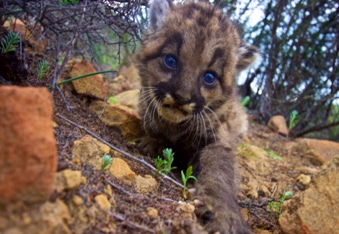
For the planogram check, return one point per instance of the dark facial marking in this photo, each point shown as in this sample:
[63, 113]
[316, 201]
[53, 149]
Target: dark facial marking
[218, 53]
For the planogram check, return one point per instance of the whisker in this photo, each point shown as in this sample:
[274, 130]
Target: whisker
[211, 125]
[204, 125]
[217, 119]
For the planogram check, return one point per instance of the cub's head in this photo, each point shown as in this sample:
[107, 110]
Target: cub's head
[189, 61]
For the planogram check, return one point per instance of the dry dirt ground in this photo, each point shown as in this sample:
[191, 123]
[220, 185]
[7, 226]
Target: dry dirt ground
[131, 215]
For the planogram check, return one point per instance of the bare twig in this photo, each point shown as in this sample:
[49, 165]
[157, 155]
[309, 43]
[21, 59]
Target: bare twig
[264, 220]
[119, 188]
[129, 223]
[119, 150]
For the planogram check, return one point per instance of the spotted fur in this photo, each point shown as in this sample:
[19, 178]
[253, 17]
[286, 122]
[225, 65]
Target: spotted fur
[188, 65]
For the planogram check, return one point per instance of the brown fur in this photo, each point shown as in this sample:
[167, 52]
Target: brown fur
[200, 122]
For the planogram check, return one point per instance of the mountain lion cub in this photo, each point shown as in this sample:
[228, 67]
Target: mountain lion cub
[188, 66]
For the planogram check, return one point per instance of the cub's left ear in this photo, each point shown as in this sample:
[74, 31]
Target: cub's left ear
[247, 55]
[158, 13]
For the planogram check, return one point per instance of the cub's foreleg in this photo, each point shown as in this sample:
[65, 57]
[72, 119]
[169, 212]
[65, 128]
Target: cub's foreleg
[216, 192]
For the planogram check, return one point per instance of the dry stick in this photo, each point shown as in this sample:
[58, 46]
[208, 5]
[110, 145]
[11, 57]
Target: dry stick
[119, 150]
[119, 188]
[121, 218]
[58, 72]
[264, 220]
[133, 194]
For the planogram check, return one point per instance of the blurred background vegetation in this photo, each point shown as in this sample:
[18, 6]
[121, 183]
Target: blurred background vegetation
[299, 41]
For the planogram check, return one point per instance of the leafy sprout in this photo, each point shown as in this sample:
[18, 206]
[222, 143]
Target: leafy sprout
[293, 119]
[112, 100]
[185, 177]
[9, 42]
[245, 101]
[276, 206]
[43, 68]
[106, 160]
[164, 165]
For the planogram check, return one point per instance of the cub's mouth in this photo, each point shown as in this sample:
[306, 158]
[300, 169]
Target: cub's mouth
[173, 113]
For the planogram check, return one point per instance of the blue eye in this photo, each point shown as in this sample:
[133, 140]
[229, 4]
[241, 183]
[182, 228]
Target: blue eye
[209, 78]
[170, 61]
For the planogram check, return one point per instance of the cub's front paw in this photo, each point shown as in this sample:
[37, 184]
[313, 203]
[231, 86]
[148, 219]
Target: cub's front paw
[148, 146]
[218, 216]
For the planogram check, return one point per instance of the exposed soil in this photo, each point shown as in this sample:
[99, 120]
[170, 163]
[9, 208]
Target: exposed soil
[130, 214]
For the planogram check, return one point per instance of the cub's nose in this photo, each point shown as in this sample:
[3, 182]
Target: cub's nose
[180, 100]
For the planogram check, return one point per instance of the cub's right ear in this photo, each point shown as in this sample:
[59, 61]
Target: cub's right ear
[247, 55]
[158, 13]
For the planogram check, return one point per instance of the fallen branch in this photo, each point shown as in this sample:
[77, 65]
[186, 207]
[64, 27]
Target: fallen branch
[134, 225]
[119, 188]
[119, 150]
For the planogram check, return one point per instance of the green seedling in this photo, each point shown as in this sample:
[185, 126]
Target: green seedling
[293, 119]
[276, 206]
[9, 43]
[245, 101]
[185, 178]
[106, 160]
[164, 165]
[82, 76]
[69, 2]
[42, 69]
[112, 100]
[273, 155]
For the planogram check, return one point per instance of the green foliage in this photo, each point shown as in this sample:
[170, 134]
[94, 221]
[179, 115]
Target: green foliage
[275, 206]
[293, 119]
[164, 165]
[273, 155]
[69, 2]
[245, 101]
[106, 160]
[82, 76]
[9, 42]
[43, 68]
[185, 177]
[112, 100]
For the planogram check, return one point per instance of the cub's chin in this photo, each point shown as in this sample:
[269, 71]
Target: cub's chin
[173, 115]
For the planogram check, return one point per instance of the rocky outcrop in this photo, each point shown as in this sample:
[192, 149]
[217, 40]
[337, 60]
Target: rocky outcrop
[316, 209]
[28, 154]
[90, 151]
[278, 124]
[129, 98]
[125, 119]
[318, 151]
[92, 85]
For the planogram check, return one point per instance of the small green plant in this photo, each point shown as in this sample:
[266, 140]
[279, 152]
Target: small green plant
[9, 43]
[273, 155]
[43, 67]
[275, 206]
[112, 100]
[82, 76]
[185, 177]
[245, 101]
[106, 160]
[69, 2]
[293, 119]
[164, 165]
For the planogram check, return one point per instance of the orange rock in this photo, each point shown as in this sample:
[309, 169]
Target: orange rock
[123, 118]
[91, 85]
[129, 98]
[121, 170]
[278, 124]
[30, 33]
[316, 209]
[28, 154]
[320, 151]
